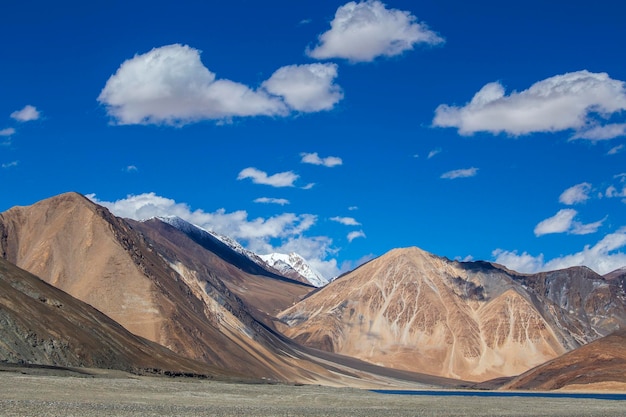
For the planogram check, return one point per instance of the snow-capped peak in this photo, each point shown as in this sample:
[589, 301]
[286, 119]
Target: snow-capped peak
[285, 263]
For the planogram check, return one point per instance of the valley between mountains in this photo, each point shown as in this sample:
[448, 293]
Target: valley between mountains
[81, 287]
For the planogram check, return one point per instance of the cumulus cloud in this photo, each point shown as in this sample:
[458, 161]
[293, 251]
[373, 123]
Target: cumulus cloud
[563, 222]
[131, 168]
[281, 179]
[361, 32]
[269, 200]
[578, 193]
[348, 221]
[355, 235]
[9, 131]
[605, 256]
[569, 101]
[170, 85]
[306, 88]
[314, 158]
[460, 173]
[27, 114]
[257, 234]
[10, 164]
[613, 192]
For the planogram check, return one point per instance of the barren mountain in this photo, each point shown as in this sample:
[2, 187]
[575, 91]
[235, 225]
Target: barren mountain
[412, 310]
[40, 324]
[98, 258]
[600, 365]
[199, 255]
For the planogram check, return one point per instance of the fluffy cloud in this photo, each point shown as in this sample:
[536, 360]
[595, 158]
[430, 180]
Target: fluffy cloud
[7, 132]
[281, 179]
[27, 114]
[603, 257]
[460, 173]
[269, 200]
[354, 235]
[348, 221]
[570, 101]
[170, 85]
[577, 194]
[306, 88]
[256, 234]
[361, 32]
[314, 158]
[563, 222]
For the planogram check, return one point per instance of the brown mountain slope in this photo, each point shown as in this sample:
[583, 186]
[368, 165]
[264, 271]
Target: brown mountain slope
[599, 365]
[412, 310]
[265, 293]
[84, 250]
[40, 324]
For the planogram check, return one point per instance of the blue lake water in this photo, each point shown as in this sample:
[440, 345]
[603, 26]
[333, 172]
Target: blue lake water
[594, 396]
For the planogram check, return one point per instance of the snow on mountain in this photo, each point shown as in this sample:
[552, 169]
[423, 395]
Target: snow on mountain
[293, 262]
[285, 264]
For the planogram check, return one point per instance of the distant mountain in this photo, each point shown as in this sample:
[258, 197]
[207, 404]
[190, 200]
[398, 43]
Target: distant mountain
[40, 324]
[599, 365]
[412, 310]
[294, 265]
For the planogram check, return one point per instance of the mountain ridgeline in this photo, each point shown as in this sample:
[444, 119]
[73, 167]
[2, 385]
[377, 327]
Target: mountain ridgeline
[197, 299]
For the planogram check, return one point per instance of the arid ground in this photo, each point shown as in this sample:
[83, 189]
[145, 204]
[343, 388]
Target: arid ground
[44, 393]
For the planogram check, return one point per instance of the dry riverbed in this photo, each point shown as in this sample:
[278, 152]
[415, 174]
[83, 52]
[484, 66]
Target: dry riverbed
[118, 394]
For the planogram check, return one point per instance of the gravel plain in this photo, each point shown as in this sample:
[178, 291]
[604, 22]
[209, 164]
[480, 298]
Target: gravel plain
[123, 395]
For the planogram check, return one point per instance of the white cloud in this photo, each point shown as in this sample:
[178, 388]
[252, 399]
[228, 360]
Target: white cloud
[361, 32]
[7, 132]
[170, 85]
[615, 150]
[352, 208]
[306, 88]
[563, 222]
[595, 133]
[10, 164]
[308, 186]
[603, 257]
[348, 221]
[281, 179]
[433, 153]
[256, 234]
[131, 168]
[562, 102]
[269, 200]
[460, 173]
[614, 192]
[579, 193]
[313, 158]
[355, 235]
[27, 114]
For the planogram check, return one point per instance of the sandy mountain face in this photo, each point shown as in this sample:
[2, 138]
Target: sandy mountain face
[40, 324]
[599, 365]
[412, 310]
[98, 258]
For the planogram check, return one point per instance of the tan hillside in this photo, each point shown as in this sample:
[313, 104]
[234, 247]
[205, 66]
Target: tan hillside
[599, 365]
[84, 250]
[412, 310]
[40, 324]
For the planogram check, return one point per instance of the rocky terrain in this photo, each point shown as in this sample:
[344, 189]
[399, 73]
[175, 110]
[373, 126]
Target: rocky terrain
[413, 310]
[41, 324]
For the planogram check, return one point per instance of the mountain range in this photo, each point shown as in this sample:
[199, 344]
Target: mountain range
[209, 306]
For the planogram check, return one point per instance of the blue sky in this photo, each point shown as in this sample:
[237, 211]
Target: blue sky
[492, 131]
